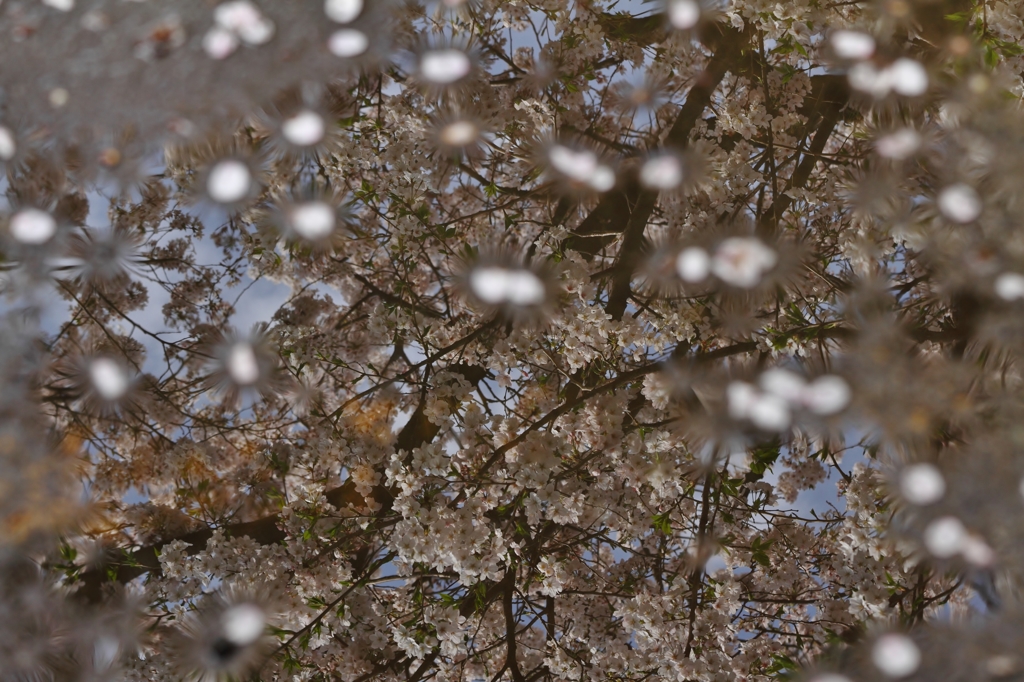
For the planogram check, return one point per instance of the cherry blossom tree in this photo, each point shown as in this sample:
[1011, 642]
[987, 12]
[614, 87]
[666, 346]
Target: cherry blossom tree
[511, 340]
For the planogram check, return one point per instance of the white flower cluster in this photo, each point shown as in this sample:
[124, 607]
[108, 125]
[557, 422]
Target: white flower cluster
[779, 392]
[487, 425]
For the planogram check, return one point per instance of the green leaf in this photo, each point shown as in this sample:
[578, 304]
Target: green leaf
[781, 664]
[1007, 48]
[479, 593]
[991, 57]
[762, 457]
[960, 18]
[662, 523]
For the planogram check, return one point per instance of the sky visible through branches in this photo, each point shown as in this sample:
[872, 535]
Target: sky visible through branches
[511, 340]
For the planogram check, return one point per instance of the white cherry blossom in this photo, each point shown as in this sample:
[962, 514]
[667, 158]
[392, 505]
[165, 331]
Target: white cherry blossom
[242, 365]
[445, 66]
[959, 203]
[1009, 286]
[32, 226]
[312, 220]
[899, 144]
[109, 379]
[348, 42]
[896, 655]
[683, 14]
[742, 261]
[693, 264]
[498, 285]
[8, 144]
[343, 11]
[945, 537]
[229, 181]
[304, 129]
[662, 172]
[922, 484]
[581, 166]
[853, 45]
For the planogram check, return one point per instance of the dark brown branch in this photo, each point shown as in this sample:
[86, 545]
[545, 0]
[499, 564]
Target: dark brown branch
[509, 587]
[826, 109]
[631, 206]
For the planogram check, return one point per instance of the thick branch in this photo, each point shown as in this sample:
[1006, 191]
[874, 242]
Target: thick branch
[615, 210]
[509, 588]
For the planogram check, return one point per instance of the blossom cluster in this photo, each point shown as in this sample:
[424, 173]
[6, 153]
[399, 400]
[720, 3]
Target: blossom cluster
[511, 340]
